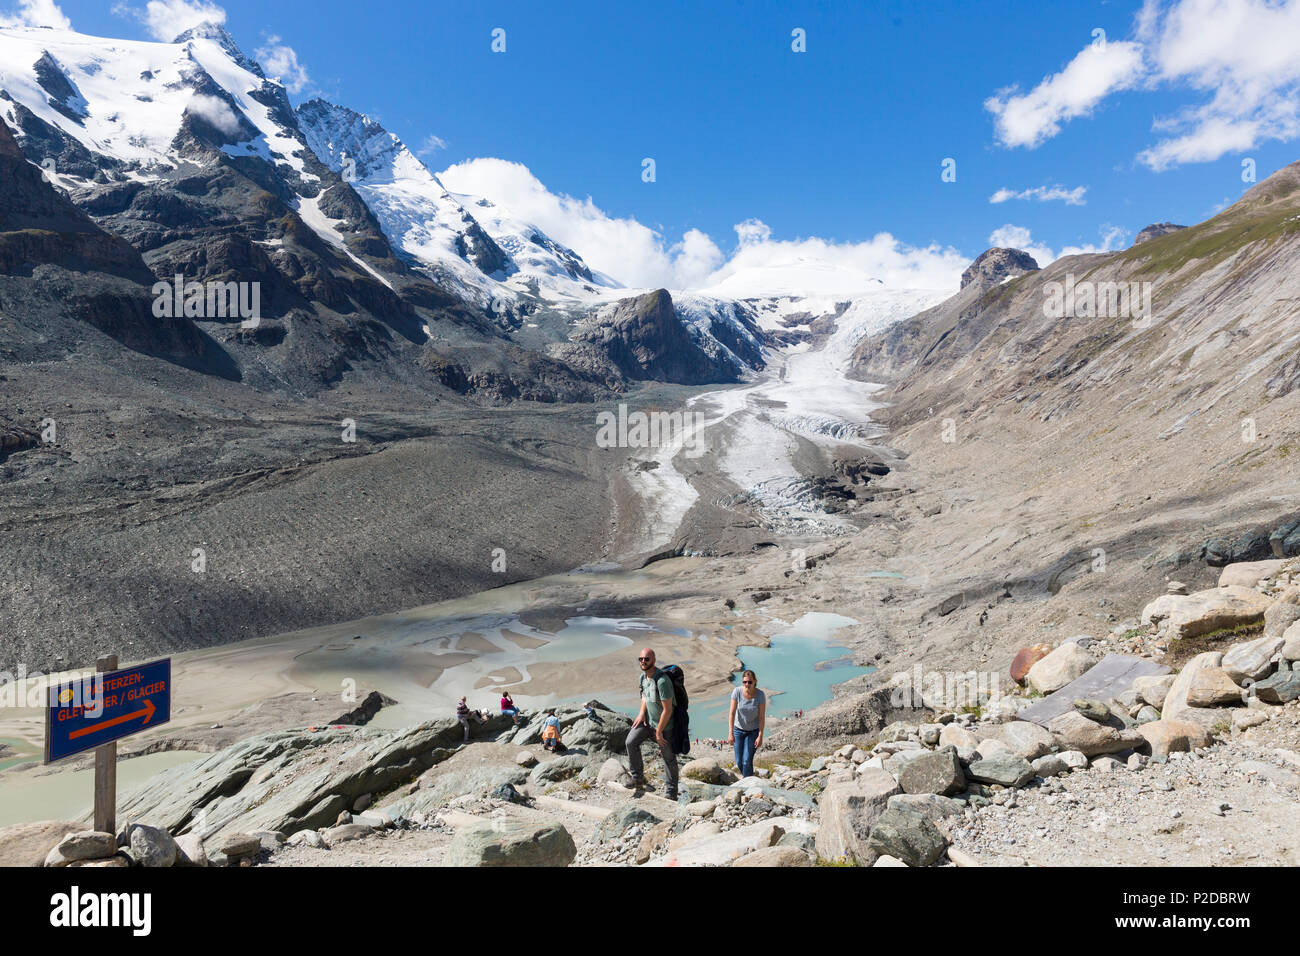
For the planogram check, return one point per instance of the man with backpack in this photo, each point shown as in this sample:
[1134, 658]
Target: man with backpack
[658, 703]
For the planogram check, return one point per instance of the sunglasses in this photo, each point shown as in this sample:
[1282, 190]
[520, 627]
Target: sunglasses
[747, 682]
[645, 658]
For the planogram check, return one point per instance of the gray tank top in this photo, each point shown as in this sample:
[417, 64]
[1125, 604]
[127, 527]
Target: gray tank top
[747, 710]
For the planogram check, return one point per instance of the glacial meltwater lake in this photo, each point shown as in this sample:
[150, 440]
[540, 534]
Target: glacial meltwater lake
[33, 795]
[425, 658]
[796, 672]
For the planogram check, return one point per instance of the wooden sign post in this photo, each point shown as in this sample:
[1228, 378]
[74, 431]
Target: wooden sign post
[93, 713]
[106, 769]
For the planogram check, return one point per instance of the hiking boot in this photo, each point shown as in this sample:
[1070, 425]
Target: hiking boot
[671, 795]
[638, 783]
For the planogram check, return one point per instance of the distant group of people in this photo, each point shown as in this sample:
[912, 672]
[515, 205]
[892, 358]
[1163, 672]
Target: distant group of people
[746, 720]
[550, 723]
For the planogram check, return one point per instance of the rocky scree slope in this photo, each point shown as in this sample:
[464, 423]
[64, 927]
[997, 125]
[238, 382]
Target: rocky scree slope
[1063, 466]
[1096, 740]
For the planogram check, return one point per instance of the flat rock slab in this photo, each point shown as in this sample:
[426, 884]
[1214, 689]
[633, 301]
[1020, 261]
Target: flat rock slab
[1110, 677]
[27, 844]
[722, 848]
[790, 798]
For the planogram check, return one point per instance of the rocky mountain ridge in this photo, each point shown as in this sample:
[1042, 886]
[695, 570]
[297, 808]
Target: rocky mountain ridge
[365, 263]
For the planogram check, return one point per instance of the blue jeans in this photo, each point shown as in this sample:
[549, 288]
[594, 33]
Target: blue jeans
[744, 744]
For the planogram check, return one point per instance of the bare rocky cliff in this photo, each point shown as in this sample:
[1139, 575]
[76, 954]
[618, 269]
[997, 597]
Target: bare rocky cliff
[1078, 435]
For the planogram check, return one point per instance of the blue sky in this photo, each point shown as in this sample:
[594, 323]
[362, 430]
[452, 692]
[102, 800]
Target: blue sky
[840, 142]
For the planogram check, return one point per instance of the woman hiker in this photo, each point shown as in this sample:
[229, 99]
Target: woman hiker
[551, 731]
[746, 721]
[508, 707]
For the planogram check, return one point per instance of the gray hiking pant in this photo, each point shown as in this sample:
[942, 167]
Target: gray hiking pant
[638, 735]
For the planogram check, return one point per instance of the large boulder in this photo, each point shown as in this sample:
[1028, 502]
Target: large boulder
[345, 832]
[1004, 768]
[1026, 739]
[150, 846]
[707, 769]
[933, 807]
[578, 731]
[1159, 609]
[1026, 658]
[234, 845]
[1211, 686]
[1154, 689]
[1073, 731]
[613, 771]
[1282, 688]
[1051, 765]
[1291, 643]
[1191, 615]
[560, 768]
[848, 811]
[954, 736]
[895, 763]
[608, 736]
[618, 822]
[1177, 705]
[1251, 660]
[292, 780]
[1172, 736]
[85, 845]
[544, 844]
[907, 835]
[705, 845]
[937, 771]
[1247, 574]
[190, 851]
[1059, 668]
[435, 793]
[776, 856]
[1280, 615]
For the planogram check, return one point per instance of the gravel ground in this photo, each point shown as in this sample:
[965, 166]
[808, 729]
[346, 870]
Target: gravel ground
[1236, 803]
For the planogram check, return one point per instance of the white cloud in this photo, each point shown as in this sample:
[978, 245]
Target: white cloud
[1071, 197]
[1240, 55]
[763, 265]
[37, 13]
[431, 145]
[216, 111]
[753, 230]
[280, 61]
[167, 19]
[1098, 70]
[639, 257]
[624, 249]
[1019, 237]
[695, 258]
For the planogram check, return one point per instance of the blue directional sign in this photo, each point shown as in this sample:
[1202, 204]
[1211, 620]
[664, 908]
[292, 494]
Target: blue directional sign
[100, 708]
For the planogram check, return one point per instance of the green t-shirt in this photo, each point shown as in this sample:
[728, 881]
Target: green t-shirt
[655, 691]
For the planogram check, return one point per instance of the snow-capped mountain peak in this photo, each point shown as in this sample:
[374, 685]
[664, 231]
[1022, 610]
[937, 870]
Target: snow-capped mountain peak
[219, 35]
[465, 242]
[127, 100]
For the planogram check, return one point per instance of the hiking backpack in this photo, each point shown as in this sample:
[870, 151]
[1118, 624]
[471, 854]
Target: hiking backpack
[681, 730]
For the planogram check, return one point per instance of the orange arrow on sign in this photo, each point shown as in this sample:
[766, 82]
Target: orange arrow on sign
[148, 713]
